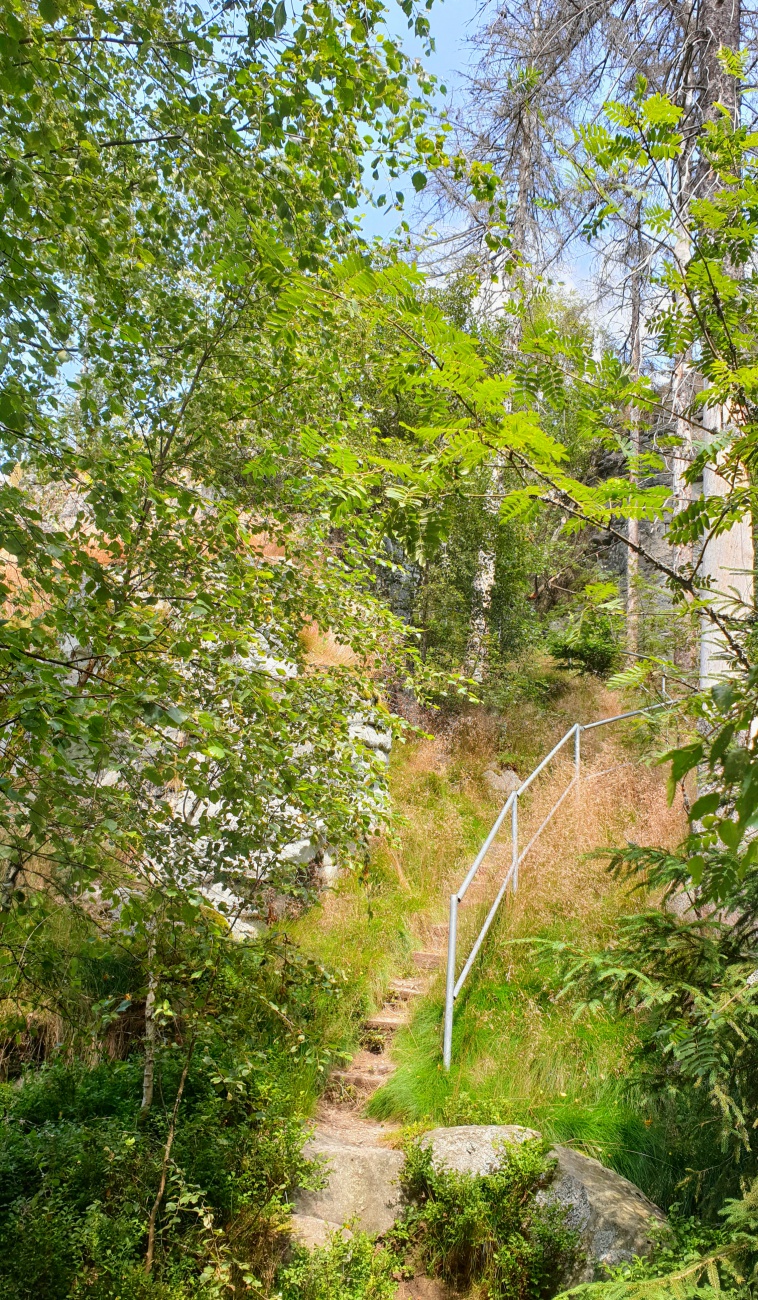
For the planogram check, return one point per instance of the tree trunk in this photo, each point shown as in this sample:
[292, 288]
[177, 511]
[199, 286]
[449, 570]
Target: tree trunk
[151, 1033]
[727, 564]
[476, 650]
[13, 868]
[719, 25]
[635, 447]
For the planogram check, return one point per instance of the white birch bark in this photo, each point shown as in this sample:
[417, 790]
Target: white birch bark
[635, 446]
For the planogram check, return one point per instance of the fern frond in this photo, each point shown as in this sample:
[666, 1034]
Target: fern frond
[684, 1283]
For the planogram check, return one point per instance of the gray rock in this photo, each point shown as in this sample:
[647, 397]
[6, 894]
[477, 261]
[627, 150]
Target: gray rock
[473, 1148]
[613, 1216]
[373, 738]
[615, 1219]
[328, 871]
[361, 1185]
[299, 852]
[313, 1233]
[504, 782]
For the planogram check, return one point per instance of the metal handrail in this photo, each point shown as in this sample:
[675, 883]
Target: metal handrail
[453, 986]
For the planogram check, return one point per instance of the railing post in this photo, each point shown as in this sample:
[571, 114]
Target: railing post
[511, 876]
[447, 1043]
[514, 842]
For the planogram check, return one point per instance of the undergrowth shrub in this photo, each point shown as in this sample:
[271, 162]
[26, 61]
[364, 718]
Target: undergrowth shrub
[489, 1230]
[692, 1260]
[689, 983]
[590, 640]
[255, 1026]
[345, 1269]
[78, 1177]
[80, 1164]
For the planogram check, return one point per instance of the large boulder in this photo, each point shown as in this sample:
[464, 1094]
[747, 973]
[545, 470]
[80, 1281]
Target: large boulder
[361, 1185]
[314, 1233]
[613, 1217]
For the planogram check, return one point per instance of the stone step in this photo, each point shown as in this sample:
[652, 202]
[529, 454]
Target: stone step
[407, 989]
[388, 1018]
[427, 960]
[439, 932]
[366, 1062]
[369, 1063]
[363, 1080]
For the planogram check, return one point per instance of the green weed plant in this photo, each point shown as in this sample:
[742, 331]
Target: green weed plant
[345, 1269]
[489, 1230]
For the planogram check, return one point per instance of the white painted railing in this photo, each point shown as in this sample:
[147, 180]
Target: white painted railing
[453, 985]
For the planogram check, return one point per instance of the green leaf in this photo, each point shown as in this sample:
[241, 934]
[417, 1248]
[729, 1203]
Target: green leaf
[721, 743]
[723, 695]
[130, 333]
[735, 765]
[730, 833]
[659, 110]
[696, 866]
[707, 803]
[684, 759]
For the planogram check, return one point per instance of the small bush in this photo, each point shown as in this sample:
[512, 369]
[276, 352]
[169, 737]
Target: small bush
[351, 1269]
[590, 641]
[78, 1176]
[489, 1230]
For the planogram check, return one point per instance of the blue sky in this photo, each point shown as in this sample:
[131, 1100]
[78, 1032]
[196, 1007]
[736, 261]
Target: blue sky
[452, 23]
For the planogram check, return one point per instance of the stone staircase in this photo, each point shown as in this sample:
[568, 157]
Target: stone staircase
[371, 1067]
[362, 1149]
[362, 1159]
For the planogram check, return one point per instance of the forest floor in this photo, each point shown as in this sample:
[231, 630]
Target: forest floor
[520, 1055]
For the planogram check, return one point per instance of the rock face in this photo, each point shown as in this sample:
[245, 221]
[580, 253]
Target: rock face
[361, 1185]
[306, 1230]
[378, 743]
[613, 1216]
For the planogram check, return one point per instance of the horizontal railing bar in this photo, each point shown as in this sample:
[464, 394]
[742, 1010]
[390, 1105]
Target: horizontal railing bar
[554, 809]
[547, 759]
[485, 847]
[480, 939]
[633, 713]
[454, 987]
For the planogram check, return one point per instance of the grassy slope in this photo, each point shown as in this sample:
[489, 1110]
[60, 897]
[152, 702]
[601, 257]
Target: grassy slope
[519, 1055]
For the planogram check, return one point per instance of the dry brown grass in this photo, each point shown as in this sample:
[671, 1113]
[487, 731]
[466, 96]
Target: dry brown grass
[444, 811]
[519, 1055]
[564, 876]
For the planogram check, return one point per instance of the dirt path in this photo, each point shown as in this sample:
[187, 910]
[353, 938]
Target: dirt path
[340, 1112]
[617, 799]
